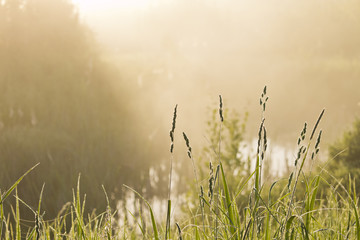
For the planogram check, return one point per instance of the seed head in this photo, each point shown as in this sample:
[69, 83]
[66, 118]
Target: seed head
[221, 109]
[173, 130]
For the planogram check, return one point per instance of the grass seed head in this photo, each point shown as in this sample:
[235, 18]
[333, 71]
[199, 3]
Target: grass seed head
[290, 180]
[211, 182]
[187, 141]
[171, 147]
[173, 129]
[265, 139]
[187, 144]
[260, 136]
[317, 123]
[263, 99]
[174, 118]
[318, 140]
[202, 196]
[221, 109]
[299, 154]
[211, 188]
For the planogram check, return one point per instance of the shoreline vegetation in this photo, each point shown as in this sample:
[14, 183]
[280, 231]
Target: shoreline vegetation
[307, 203]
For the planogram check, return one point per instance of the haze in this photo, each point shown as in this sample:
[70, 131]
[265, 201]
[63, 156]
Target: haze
[93, 89]
[188, 52]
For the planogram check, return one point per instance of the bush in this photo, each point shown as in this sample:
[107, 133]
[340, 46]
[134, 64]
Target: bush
[345, 154]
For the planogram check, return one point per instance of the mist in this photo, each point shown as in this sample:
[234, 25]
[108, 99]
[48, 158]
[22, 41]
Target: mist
[189, 52]
[91, 88]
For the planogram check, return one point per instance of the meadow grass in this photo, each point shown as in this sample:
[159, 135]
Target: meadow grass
[302, 205]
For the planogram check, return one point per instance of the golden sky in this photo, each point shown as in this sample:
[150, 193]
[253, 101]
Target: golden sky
[91, 6]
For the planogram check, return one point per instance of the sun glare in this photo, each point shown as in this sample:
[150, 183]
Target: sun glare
[103, 5]
[133, 4]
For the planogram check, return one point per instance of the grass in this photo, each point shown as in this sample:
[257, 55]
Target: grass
[303, 205]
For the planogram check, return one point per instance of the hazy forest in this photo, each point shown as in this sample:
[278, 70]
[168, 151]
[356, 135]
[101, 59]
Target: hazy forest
[90, 90]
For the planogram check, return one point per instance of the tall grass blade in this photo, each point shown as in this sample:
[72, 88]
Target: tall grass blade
[197, 235]
[8, 192]
[268, 219]
[168, 215]
[228, 203]
[172, 131]
[247, 229]
[108, 227]
[354, 205]
[79, 211]
[156, 234]
[179, 230]
[288, 226]
[17, 217]
[37, 214]
[1, 217]
[311, 201]
[139, 224]
[317, 123]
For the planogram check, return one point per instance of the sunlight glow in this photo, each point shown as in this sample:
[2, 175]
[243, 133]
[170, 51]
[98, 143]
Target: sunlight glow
[133, 4]
[103, 5]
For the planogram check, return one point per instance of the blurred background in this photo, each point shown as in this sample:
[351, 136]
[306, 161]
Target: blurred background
[90, 86]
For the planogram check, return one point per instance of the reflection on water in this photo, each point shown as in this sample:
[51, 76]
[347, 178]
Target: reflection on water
[281, 157]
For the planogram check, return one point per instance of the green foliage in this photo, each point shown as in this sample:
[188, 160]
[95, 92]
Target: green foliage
[232, 136]
[344, 156]
[207, 170]
[346, 151]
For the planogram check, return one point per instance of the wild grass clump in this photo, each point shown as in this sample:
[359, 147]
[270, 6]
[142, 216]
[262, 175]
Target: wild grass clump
[309, 203]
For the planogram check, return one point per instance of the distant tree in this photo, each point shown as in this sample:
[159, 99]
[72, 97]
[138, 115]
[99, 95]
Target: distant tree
[58, 107]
